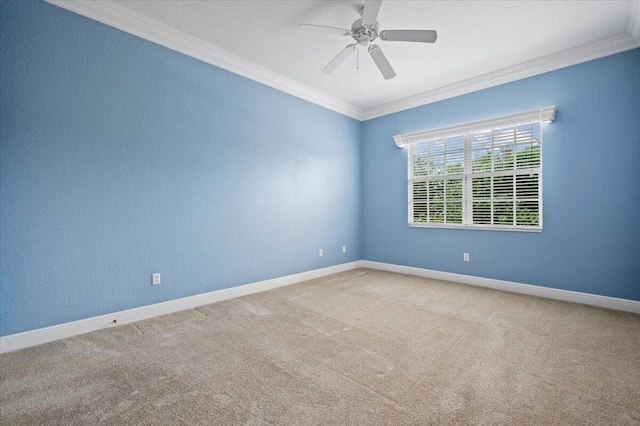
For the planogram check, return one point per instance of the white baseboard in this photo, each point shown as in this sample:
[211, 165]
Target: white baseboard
[532, 290]
[62, 331]
[56, 332]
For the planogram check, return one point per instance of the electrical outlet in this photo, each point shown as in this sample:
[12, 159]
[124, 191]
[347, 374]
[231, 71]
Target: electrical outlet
[465, 256]
[155, 279]
[344, 249]
[321, 253]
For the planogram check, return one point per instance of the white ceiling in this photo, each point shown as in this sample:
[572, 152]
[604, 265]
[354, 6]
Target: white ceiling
[475, 39]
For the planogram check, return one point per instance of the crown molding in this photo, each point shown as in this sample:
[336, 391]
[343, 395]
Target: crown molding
[566, 58]
[156, 32]
[633, 25]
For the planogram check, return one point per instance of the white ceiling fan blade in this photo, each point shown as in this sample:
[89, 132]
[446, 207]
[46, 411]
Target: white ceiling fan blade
[335, 62]
[324, 29]
[422, 36]
[370, 11]
[381, 61]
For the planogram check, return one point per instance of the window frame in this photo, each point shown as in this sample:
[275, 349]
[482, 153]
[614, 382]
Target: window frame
[467, 130]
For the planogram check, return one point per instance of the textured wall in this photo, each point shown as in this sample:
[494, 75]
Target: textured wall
[591, 156]
[120, 158]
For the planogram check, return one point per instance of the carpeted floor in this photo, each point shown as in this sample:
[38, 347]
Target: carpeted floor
[362, 347]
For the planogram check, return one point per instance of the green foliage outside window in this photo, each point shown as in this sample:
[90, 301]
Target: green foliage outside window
[440, 201]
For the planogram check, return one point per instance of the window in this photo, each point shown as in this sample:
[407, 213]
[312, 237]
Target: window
[482, 175]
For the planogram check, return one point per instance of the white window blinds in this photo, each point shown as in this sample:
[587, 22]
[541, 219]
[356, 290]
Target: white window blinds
[480, 177]
[436, 170]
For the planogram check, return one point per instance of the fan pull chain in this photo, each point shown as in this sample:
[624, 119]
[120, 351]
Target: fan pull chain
[357, 59]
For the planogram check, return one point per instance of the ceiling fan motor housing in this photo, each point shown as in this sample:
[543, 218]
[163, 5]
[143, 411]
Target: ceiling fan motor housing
[364, 34]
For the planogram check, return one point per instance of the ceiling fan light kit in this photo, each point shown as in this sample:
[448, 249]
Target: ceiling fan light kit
[364, 31]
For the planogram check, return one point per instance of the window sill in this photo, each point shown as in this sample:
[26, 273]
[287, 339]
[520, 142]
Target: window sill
[478, 227]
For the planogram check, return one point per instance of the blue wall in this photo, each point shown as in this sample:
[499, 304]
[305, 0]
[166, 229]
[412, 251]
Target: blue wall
[591, 177]
[120, 158]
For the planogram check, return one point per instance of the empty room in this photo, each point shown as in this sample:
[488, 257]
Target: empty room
[319, 212]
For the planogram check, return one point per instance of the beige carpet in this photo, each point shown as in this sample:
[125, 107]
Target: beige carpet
[362, 347]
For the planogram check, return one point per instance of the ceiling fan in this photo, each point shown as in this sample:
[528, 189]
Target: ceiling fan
[364, 31]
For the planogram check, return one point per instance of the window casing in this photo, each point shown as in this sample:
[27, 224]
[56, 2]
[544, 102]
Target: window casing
[479, 177]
